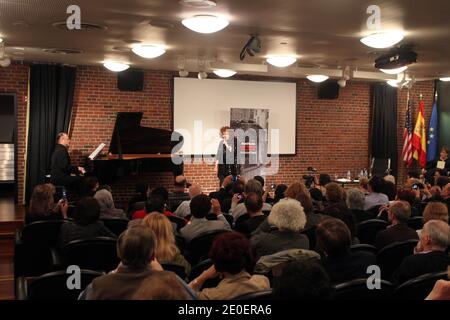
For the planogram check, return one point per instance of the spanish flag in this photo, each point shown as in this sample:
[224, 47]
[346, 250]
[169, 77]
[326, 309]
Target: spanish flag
[419, 139]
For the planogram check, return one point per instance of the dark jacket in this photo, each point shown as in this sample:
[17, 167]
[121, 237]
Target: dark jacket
[264, 244]
[60, 164]
[397, 233]
[246, 225]
[419, 264]
[73, 231]
[30, 217]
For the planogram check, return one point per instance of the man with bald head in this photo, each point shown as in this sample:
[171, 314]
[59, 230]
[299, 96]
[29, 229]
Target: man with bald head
[184, 209]
[179, 194]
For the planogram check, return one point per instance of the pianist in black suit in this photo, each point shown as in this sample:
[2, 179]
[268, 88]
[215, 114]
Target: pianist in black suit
[61, 169]
[226, 157]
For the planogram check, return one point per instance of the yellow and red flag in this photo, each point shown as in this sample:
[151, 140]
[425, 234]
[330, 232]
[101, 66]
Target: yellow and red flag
[419, 139]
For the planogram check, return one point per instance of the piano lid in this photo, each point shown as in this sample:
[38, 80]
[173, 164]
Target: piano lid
[129, 137]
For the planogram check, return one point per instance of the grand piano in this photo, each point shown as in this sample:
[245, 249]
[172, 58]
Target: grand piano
[135, 149]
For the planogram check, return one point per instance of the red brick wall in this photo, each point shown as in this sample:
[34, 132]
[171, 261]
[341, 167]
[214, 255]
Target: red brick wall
[14, 79]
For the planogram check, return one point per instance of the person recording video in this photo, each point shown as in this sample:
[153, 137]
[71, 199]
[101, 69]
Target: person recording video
[226, 156]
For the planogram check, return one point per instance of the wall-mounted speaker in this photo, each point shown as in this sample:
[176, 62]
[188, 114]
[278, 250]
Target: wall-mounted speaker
[328, 90]
[130, 80]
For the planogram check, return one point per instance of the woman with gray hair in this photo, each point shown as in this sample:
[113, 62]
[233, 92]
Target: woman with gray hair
[288, 218]
[107, 208]
[355, 202]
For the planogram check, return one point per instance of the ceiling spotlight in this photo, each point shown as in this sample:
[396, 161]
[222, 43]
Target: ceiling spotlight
[205, 23]
[224, 73]
[380, 40]
[5, 62]
[393, 83]
[183, 73]
[281, 61]
[202, 75]
[317, 78]
[394, 71]
[445, 79]
[148, 51]
[116, 66]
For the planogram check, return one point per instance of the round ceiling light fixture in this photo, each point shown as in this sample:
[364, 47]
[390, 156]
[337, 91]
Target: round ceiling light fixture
[224, 73]
[148, 51]
[199, 3]
[205, 23]
[281, 61]
[445, 79]
[381, 40]
[115, 66]
[317, 78]
[394, 71]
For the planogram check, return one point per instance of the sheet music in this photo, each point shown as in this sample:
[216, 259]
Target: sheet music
[97, 151]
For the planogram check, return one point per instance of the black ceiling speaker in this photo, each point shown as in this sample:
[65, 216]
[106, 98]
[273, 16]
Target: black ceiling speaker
[130, 80]
[396, 58]
[328, 90]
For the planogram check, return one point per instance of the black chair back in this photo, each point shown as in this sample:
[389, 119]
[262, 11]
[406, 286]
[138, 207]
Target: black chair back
[175, 268]
[358, 290]
[43, 233]
[53, 286]
[199, 268]
[94, 254]
[311, 234]
[367, 230]
[181, 243]
[363, 248]
[419, 288]
[116, 226]
[180, 222]
[256, 296]
[198, 248]
[135, 207]
[391, 256]
[415, 223]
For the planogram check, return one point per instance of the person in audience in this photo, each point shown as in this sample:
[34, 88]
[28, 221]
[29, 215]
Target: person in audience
[90, 186]
[248, 222]
[107, 207]
[266, 196]
[390, 178]
[289, 218]
[238, 209]
[86, 223]
[136, 250]
[225, 193]
[412, 175]
[435, 211]
[324, 179]
[183, 209]
[398, 214]
[179, 194]
[431, 167]
[333, 242]
[409, 196]
[430, 255]
[140, 194]
[303, 280]
[231, 256]
[390, 190]
[446, 195]
[355, 202]
[162, 286]
[166, 250]
[375, 197]
[154, 203]
[441, 291]
[364, 186]
[299, 192]
[200, 207]
[280, 189]
[43, 207]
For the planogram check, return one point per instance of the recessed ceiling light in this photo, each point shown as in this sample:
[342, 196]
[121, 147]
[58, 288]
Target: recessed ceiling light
[382, 40]
[394, 71]
[205, 23]
[281, 61]
[393, 83]
[445, 79]
[116, 66]
[148, 51]
[199, 3]
[224, 73]
[317, 78]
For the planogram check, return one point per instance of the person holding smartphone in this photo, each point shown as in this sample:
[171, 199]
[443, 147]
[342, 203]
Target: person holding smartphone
[226, 156]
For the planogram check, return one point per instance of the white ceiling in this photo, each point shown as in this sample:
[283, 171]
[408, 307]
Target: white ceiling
[322, 33]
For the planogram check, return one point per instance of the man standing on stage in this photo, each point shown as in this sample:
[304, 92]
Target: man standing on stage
[61, 169]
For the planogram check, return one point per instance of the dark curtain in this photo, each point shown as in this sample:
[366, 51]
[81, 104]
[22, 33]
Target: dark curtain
[384, 124]
[51, 99]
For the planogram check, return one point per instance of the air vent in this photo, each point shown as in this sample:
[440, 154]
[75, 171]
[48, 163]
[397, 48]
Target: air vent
[86, 26]
[62, 51]
[199, 3]
[163, 24]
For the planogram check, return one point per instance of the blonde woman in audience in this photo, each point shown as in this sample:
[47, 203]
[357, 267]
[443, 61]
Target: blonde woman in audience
[166, 250]
[43, 207]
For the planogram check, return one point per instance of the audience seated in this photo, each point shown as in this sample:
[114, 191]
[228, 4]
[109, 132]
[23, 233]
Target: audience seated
[200, 206]
[232, 258]
[178, 195]
[299, 192]
[364, 186]
[398, 214]
[303, 280]
[334, 241]
[154, 203]
[162, 286]
[355, 202]
[166, 250]
[225, 193]
[266, 196]
[430, 253]
[441, 291]
[248, 222]
[42, 206]
[140, 194]
[408, 195]
[375, 197]
[183, 209]
[107, 207]
[280, 189]
[238, 209]
[446, 195]
[390, 190]
[86, 223]
[289, 218]
[90, 186]
[135, 248]
[435, 211]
